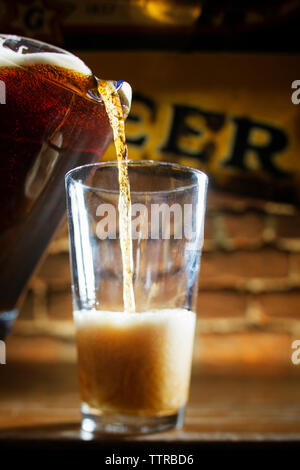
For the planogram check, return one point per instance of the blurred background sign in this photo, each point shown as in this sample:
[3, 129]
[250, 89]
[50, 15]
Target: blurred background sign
[230, 115]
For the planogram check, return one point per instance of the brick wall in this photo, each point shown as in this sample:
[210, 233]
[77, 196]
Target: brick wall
[249, 290]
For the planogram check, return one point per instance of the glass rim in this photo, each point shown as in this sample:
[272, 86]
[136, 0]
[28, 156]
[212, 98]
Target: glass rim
[113, 163]
[37, 41]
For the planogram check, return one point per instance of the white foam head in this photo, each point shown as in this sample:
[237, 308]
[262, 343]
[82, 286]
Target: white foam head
[20, 58]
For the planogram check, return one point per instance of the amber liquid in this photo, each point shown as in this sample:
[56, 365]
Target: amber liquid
[134, 363]
[49, 125]
[115, 114]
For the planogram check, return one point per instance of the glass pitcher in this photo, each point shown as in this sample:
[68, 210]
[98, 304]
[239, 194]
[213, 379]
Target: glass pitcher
[52, 119]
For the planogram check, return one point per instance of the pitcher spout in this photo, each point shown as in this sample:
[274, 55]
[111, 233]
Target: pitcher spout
[124, 91]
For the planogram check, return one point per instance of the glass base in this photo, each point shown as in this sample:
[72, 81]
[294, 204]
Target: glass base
[7, 320]
[115, 423]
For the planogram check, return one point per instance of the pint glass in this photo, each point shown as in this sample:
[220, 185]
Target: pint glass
[134, 368]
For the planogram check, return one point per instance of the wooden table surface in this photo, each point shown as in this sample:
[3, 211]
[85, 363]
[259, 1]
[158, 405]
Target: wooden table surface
[39, 405]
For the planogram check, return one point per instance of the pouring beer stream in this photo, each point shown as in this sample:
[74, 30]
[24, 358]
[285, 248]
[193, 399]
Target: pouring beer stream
[115, 113]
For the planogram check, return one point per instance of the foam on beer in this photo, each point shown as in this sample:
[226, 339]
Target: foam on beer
[135, 362]
[11, 58]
